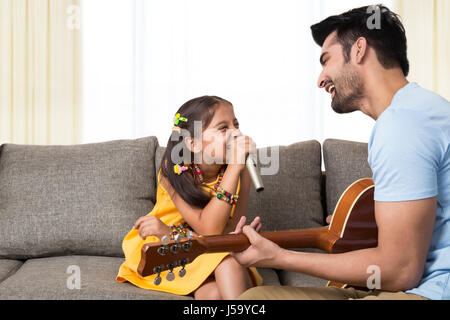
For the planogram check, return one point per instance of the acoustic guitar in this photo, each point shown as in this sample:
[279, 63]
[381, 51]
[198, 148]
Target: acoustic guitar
[353, 227]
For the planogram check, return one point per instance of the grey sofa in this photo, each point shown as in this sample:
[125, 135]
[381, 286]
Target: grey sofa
[66, 206]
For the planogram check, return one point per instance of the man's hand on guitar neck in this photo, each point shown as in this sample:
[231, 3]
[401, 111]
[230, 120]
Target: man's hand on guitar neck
[261, 251]
[256, 224]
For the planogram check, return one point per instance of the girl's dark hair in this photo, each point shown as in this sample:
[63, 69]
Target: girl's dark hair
[388, 39]
[198, 109]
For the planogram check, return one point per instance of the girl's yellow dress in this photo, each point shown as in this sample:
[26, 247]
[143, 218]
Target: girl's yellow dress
[196, 272]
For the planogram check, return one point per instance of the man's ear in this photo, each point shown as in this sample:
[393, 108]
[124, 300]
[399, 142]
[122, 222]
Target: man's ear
[360, 49]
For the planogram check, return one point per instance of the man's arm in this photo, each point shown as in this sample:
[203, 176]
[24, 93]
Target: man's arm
[404, 236]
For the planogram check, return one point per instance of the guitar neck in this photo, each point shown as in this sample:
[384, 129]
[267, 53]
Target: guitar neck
[303, 238]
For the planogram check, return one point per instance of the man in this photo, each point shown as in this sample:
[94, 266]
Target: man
[409, 153]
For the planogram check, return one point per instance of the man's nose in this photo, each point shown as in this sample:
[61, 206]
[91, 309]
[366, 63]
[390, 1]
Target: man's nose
[321, 81]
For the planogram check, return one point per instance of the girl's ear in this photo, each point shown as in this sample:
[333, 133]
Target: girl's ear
[192, 144]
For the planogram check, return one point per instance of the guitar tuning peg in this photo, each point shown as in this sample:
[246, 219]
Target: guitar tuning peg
[182, 272]
[174, 248]
[157, 280]
[170, 276]
[165, 240]
[187, 245]
[163, 250]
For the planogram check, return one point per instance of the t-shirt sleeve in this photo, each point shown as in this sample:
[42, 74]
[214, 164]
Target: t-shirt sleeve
[404, 156]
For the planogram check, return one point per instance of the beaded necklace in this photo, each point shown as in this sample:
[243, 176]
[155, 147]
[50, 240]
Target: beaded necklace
[198, 173]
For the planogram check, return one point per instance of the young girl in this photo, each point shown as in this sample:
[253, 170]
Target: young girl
[203, 184]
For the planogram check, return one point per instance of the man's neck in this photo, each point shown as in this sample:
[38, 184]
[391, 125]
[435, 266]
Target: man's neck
[380, 89]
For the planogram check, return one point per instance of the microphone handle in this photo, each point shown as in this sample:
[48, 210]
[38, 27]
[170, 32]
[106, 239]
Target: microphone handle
[254, 172]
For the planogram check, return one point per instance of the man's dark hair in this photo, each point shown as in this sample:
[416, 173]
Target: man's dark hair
[388, 41]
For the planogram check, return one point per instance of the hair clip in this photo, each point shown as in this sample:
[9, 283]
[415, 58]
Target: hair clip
[179, 118]
[179, 169]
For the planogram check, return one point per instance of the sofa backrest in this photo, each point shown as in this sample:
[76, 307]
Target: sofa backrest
[345, 162]
[83, 199]
[80, 199]
[292, 197]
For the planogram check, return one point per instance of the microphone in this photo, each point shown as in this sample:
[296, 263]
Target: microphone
[253, 169]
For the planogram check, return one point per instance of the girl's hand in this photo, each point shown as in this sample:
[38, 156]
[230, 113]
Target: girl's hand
[238, 148]
[151, 226]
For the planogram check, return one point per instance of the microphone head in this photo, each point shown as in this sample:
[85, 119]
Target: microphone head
[254, 172]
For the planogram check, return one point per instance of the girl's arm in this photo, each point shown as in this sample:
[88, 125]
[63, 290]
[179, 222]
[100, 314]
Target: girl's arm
[213, 218]
[242, 203]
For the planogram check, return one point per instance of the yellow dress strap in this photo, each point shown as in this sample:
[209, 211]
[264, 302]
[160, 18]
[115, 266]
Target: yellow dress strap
[159, 175]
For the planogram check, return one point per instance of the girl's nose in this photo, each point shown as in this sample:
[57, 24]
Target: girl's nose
[233, 134]
[236, 133]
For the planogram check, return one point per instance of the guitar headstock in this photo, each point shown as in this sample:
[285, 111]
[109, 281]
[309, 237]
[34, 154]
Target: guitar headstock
[157, 257]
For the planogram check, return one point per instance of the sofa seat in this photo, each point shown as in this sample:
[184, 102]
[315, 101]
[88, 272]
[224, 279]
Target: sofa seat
[47, 278]
[8, 267]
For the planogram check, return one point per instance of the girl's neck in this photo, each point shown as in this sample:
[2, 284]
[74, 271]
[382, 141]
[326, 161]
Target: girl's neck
[210, 171]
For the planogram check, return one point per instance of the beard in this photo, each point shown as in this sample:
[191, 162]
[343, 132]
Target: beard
[348, 92]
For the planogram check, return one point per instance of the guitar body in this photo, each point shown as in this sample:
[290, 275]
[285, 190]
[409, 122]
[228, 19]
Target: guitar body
[353, 221]
[353, 227]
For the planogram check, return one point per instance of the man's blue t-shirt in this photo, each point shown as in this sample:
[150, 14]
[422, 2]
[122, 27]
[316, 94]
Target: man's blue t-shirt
[409, 155]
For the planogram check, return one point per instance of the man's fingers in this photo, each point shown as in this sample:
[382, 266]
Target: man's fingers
[239, 226]
[241, 223]
[255, 222]
[251, 234]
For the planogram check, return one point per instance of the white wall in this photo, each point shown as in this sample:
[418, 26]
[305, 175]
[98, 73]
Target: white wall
[144, 58]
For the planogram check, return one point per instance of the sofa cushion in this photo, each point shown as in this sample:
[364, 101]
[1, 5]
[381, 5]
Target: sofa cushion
[8, 267]
[297, 279]
[53, 278]
[158, 157]
[292, 196]
[345, 162]
[80, 199]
